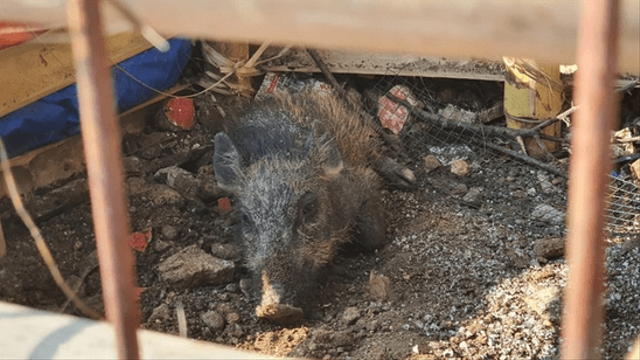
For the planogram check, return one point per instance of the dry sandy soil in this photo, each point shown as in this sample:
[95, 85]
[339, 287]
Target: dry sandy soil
[464, 278]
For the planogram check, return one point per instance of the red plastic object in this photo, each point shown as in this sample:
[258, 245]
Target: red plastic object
[224, 204]
[139, 240]
[180, 112]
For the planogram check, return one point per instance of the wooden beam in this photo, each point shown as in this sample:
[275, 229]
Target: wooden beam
[538, 29]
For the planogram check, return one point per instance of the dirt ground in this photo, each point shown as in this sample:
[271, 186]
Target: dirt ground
[464, 277]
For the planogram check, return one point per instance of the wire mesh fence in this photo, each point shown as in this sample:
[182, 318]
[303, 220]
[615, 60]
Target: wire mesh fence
[501, 160]
[623, 217]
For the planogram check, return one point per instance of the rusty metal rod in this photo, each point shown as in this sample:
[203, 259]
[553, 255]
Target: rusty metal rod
[327, 73]
[597, 59]
[101, 139]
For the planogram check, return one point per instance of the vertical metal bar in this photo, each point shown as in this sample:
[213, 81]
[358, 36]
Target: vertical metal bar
[597, 58]
[101, 139]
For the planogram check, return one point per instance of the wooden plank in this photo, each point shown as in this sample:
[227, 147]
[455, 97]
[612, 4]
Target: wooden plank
[42, 66]
[367, 63]
[34, 334]
[533, 91]
[537, 29]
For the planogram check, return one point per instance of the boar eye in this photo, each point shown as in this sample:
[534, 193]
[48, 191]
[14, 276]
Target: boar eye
[245, 219]
[309, 207]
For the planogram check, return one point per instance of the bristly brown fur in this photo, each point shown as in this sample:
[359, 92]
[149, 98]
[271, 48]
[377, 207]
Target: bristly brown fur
[358, 143]
[310, 144]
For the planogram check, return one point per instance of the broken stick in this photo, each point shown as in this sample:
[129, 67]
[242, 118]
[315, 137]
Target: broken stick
[43, 249]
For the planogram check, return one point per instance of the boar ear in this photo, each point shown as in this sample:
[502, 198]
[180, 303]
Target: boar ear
[226, 161]
[333, 164]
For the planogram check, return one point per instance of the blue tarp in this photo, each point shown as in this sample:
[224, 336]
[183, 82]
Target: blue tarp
[55, 116]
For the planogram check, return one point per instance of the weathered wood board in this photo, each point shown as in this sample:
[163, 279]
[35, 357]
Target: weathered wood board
[37, 68]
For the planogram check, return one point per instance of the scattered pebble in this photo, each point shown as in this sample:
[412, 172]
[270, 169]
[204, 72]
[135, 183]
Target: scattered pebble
[431, 163]
[541, 301]
[342, 338]
[379, 287]
[518, 259]
[351, 314]
[548, 213]
[136, 186]
[169, 232]
[151, 152]
[232, 318]
[160, 314]
[457, 189]
[225, 251]
[207, 189]
[161, 245]
[177, 178]
[549, 248]
[459, 167]
[213, 320]
[163, 195]
[474, 195]
[233, 287]
[134, 165]
[547, 187]
[57, 200]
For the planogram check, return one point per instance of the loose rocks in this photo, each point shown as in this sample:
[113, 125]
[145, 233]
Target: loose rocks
[193, 267]
[207, 190]
[176, 178]
[379, 287]
[431, 163]
[474, 195]
[457, 189]
[213, 320]
[164, 195]
[548, 213]
[169, 232]
[136, 186]
[225, 251]
[351, 314]
[160, 314]
[459, 167]
[549, 248]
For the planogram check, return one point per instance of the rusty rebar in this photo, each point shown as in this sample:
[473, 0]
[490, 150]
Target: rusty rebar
[327, 73]
[101, 139]
[597, 59]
